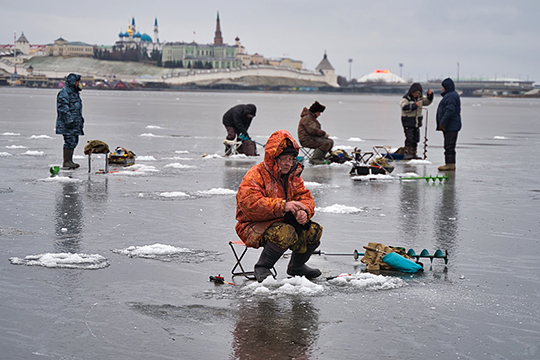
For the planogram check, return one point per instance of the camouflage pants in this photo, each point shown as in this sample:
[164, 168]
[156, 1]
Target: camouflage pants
[285, 236]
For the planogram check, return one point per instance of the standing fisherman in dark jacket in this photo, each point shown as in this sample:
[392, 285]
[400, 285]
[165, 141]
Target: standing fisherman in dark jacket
[237, 121]
[411, 117]
[449, 122]
[69, 120]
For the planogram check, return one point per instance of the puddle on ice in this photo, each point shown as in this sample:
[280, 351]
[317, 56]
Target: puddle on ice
[168, 253]
[63, 260]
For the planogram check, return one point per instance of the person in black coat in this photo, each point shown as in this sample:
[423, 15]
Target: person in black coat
[449, 122]
[69, 119]
[237, 121]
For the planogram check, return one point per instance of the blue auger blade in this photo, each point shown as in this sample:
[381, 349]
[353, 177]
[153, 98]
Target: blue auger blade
[411, 253]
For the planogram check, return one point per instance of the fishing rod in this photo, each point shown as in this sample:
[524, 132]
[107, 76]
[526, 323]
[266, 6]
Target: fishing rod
[425, 135]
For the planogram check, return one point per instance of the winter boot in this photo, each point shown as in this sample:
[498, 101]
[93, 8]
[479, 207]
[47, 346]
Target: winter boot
[414, 155]
[68, 160]
[447, 167]
[269, 256]
[297, 264]
[318, 157]
[407, 153]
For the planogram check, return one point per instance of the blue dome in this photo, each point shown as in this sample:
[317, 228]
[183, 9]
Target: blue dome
[146, 37]
[121, 34]
[137, 35]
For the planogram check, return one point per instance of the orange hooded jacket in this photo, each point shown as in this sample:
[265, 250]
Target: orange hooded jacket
[260, 200]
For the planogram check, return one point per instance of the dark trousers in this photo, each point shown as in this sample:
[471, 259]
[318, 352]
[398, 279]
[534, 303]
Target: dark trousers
[450, 140]
[248, 147]
[71, 141]
[412, 136]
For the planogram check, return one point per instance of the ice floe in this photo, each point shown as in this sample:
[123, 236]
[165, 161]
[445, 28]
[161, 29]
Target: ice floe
[63, 260]
[180, 166]
[167, 253]
[217, 191]
[61, 179]
[33, 153]
[339, 209]
[368, 281]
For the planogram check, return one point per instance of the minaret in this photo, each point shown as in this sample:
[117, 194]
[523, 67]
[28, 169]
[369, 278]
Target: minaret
[218, 40]
[156, 31]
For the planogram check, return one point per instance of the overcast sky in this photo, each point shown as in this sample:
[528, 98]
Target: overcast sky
[488, 38]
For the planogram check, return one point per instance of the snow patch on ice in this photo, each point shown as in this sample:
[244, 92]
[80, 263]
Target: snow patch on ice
[61, 179]
[4, 154]
[11, 134]
[146, 158]
[150, 135]
[15, 147]
[138, 169]
[368, 281]
[153, 127]
[500, 137]
[181, 152]
[167, 253]
[217, 191]
[173, 194]
[339, 209]
[297, 285]
[63, 260]
[356, 139]
[40, 137]
[180, 166]
[373, 177]
[33, 153]
[419, 162]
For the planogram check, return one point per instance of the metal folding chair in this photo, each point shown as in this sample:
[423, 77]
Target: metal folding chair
[238, 265]
[232, 146]
[305, 154]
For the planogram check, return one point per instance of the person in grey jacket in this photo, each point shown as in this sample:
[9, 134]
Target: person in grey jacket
[69, 119]
[411, 118]
[449, 122]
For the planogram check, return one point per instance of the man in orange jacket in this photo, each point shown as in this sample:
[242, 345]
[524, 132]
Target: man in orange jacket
[274, 210]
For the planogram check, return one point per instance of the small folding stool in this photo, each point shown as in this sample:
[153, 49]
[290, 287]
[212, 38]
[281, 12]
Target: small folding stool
[106, 162]
[238, 265]
[307, 153]
[233, 146]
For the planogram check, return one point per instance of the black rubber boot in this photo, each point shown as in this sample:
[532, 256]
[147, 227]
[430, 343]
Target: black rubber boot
[297, 264]
[68, 160]
[318, 157]
[269, 256]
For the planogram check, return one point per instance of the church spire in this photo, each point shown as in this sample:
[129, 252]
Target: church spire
[218, 40]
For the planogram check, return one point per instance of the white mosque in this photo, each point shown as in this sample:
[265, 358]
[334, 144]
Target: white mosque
[133, 39]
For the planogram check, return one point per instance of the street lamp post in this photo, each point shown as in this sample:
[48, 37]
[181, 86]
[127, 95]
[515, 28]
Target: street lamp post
[400, 68]
[350, 66]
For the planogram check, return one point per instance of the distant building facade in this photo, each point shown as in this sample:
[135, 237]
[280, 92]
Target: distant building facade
[286, 62]
[22, 49]
[62, 47]
[190, 55]
[326, 69]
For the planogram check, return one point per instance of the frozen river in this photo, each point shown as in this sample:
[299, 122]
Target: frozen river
[145, 239]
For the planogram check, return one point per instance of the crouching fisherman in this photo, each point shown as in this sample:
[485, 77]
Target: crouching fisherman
[274, 210]
[69, 119]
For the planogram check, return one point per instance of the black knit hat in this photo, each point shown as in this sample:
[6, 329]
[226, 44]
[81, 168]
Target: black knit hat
[289, 150]
[316, 107]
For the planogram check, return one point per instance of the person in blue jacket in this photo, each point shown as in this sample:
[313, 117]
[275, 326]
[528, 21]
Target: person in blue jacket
[69, 119]
[449, 122]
